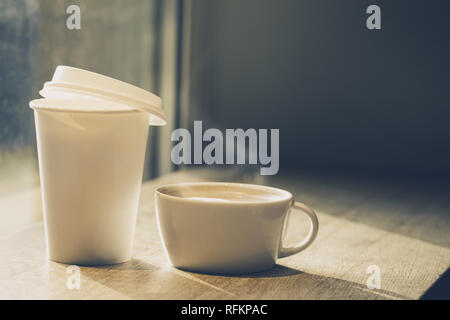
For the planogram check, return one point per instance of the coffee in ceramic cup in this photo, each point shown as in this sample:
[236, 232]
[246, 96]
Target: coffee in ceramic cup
[226, 228]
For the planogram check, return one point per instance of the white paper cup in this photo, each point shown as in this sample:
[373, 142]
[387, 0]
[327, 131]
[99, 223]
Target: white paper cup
[91, 166]
[91, 135]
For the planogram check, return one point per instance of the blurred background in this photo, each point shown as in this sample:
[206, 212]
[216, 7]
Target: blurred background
[346, 99]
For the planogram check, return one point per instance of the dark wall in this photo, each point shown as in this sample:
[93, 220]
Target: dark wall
[344, 97]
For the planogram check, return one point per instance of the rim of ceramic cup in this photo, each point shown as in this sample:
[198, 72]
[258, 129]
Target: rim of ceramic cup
[283, 195]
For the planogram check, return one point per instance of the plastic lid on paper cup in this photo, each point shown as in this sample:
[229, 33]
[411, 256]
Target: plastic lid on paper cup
[74, 89]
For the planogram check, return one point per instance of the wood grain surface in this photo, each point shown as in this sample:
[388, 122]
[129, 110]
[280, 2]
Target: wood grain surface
[402, 228]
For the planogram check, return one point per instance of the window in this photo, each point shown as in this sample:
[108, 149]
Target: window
[116, 39]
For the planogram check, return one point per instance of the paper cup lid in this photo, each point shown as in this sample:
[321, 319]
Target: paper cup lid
[69, 82]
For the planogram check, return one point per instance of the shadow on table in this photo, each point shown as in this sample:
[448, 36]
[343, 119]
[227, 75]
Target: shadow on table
[275, 272]
[440, 290]
[132, 264]
[385, 203]
[298, 284]
[140, 280]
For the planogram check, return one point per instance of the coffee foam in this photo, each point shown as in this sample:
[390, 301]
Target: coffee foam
[218, 192]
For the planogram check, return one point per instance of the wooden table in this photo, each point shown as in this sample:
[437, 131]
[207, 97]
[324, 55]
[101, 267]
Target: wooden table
[401, 228]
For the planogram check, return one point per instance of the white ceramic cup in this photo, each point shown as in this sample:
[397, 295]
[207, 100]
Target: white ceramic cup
[91, 166]
[226, 228]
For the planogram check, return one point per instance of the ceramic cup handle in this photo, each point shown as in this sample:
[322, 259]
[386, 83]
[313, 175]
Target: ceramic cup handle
[314, 228]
